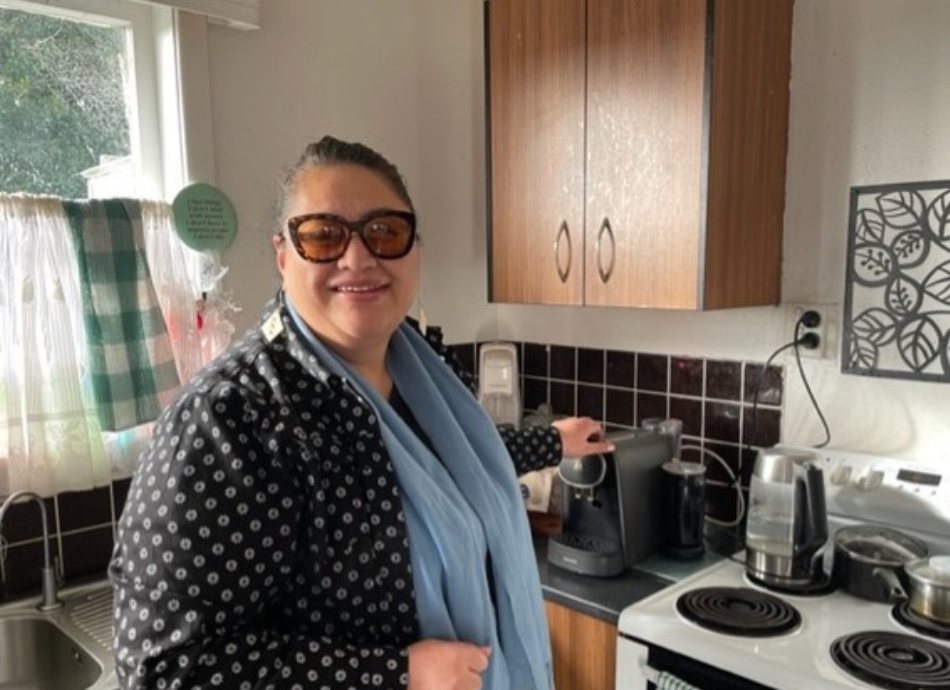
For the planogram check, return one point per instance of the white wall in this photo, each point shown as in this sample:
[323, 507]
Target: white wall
[404, 76]
[870, 104]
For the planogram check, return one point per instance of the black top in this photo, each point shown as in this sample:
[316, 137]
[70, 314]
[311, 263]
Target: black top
[263, 542]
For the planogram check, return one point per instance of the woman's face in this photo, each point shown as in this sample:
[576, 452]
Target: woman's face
[355, 302]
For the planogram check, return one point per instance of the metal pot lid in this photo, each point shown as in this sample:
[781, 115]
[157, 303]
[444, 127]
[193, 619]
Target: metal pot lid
[934, 570]
[880, 545]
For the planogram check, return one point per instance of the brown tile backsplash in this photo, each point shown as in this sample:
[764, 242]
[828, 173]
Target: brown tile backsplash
[621, 368]
[619, 407]
[23, 521]
[590, 365]
[534, 393]
[686, 376]
[79, 509]
[590, 401]
[650, 405]
[768, 388]
[562, 363]
[21, 567]
[724, 380]
[690, 412]
[87, 553]
[466, 355]
[761, 427]
[562, 397]
[120, 491]
[721, 421]
[727, 407]
[82, 529]
[714, 399]
[535, 360]
[652, 373]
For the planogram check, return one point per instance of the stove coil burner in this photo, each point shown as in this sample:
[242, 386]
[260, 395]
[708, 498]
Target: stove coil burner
[893, 661]
[909, 618]
[739, 611]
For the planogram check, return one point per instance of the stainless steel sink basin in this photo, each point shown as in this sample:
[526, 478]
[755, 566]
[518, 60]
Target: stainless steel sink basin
[65, 649]
[35, 654]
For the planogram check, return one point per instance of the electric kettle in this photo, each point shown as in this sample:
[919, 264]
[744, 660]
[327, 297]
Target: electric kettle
[787, 522]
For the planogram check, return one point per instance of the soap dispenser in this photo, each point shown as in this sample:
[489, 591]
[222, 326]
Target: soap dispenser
[498, 383]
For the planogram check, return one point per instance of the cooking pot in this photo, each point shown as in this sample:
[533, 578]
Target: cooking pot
[869, 561]
[929, 587]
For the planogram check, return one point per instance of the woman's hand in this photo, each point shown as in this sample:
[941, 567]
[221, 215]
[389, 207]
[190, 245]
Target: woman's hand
[446, 665]
[581, 436]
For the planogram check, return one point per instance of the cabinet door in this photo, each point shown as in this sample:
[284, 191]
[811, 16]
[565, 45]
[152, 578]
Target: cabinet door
[645, 152]
[584, 649]
[536, 167]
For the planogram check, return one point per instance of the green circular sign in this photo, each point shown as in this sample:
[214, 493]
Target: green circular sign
[204, 218]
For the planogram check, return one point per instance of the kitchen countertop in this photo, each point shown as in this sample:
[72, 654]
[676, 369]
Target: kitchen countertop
[606, 597]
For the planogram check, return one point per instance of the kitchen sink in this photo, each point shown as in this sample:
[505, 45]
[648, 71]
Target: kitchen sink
[34, 653]
[69, 648]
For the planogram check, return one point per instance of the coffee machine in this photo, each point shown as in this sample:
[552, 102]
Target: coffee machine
[611, 505]
[787, 520]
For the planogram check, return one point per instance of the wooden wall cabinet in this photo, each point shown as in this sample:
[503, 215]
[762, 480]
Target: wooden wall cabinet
[637, 151]
[584, 649]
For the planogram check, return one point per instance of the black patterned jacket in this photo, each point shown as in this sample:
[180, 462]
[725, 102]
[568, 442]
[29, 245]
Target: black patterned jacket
[263, 542]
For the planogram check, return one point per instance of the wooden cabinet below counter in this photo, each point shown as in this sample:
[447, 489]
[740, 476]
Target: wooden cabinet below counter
[584, 649]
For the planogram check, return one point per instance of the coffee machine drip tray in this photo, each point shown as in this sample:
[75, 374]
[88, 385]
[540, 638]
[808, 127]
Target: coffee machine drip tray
[586, 554]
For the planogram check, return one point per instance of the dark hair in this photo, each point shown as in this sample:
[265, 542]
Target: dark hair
[331, 151]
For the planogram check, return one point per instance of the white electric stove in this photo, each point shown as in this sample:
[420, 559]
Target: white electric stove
[659, 646]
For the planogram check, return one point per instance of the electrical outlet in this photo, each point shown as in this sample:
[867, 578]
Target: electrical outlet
[825, 330]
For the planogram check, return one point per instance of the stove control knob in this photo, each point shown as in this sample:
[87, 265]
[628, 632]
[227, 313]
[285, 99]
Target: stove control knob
[874, 480]
[840, 475]
[870, 481]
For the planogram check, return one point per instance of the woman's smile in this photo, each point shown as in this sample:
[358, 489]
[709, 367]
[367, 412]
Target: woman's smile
[361, 291]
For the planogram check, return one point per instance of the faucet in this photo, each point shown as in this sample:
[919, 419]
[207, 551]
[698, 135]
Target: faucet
[49, 598]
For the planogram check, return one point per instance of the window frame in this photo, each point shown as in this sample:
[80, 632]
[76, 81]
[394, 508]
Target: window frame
[170, 81]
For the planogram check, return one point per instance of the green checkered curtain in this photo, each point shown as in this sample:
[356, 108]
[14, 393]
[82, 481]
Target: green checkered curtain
[132, 365]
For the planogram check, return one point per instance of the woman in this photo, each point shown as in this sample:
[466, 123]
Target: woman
[326, 505]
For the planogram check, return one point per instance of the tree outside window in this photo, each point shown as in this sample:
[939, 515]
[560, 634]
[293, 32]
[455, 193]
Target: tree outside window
[64, 106]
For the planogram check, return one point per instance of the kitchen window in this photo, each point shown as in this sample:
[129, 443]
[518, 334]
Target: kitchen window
[79, 105]
[125, 80]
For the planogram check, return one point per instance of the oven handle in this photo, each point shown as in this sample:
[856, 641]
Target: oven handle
[664, 680]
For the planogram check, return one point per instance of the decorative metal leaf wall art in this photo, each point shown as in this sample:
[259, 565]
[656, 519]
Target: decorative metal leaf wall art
[897, 294]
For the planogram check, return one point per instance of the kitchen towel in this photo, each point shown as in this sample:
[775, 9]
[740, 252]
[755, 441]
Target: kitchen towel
[132, 364]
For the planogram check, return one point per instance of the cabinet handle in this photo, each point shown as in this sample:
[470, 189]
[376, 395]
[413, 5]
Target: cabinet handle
[564, 232]
[605, 275]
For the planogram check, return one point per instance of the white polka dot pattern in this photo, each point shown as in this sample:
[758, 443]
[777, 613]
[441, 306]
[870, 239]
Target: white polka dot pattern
[263, 543]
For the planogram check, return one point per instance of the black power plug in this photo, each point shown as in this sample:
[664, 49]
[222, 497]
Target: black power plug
[810, 319]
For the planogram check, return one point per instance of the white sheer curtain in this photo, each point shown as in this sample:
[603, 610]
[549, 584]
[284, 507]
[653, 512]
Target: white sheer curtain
[50, 437]
[187, 285]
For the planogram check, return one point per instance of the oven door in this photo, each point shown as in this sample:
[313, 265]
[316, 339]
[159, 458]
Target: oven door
[641, 667]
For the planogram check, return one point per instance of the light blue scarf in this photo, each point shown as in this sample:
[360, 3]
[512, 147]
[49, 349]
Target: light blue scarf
[459, 511]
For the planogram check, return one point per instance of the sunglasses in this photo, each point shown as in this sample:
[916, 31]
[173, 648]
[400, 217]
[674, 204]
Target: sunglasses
[324, 237]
